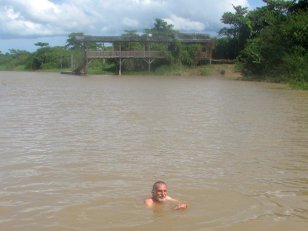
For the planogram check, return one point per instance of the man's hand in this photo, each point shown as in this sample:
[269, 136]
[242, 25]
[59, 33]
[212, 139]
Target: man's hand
[180, 206]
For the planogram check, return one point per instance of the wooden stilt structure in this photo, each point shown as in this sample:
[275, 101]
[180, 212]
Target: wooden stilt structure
[148, 55]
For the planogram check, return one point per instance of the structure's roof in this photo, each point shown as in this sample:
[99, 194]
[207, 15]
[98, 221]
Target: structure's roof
[185, 38]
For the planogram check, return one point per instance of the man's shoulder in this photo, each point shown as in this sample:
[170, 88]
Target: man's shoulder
[149, 201]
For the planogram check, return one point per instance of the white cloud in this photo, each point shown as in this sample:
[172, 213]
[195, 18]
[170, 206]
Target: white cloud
[33, 18]
[185, 24]
[131, 23]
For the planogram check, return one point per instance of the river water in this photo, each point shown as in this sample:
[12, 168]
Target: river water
[82, 153]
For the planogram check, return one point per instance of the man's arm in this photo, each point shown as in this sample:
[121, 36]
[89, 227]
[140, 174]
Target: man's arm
[180, 205]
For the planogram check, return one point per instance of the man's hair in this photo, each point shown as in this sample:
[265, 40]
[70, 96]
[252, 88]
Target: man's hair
[156, 183]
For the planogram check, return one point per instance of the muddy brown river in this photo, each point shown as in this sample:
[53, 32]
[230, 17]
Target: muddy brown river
[81, 153]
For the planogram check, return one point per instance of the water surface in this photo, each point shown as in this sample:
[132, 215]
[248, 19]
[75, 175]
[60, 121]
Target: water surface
[81, 153]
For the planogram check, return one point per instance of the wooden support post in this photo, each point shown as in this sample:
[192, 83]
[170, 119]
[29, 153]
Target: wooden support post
[72, 62]
[86, 67]
[120, 67]
[210, 51]
[149, 61]
[86, 63]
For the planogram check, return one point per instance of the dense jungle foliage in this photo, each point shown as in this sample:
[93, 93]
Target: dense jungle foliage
[270, 42]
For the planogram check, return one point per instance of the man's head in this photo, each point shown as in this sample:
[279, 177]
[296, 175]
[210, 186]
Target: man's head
[159, 191]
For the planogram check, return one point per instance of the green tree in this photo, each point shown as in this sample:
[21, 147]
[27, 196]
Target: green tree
[160, 30]
[239, 29]
[73, 43]
[14, 59]
[301, 5]
[49, 58]
[278, 50]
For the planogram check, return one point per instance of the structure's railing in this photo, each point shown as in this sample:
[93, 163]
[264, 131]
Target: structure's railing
[92, 54]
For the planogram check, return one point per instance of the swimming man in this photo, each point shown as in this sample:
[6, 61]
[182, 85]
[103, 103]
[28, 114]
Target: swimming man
[160, 196]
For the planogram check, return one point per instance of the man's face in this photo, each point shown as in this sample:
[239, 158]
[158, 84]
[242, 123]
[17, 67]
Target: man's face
[160, 192]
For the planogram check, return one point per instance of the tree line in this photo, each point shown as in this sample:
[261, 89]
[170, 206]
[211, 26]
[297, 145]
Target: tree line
[267, 43]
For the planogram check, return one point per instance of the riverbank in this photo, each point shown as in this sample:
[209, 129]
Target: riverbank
[227, 70]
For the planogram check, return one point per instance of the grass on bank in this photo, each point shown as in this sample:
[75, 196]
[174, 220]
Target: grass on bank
[12, 68]
[299, 85]
[181, 70]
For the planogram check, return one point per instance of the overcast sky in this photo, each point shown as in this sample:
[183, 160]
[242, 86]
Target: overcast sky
[25, 22]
